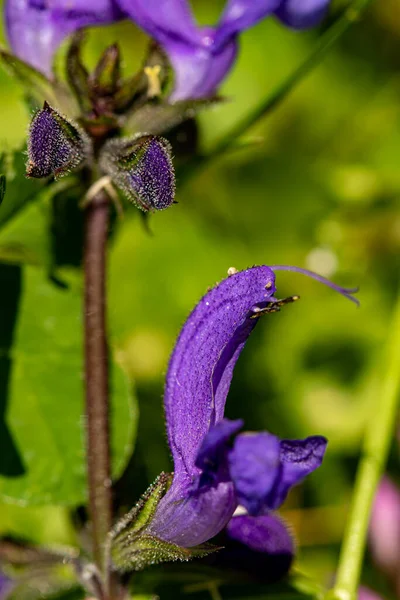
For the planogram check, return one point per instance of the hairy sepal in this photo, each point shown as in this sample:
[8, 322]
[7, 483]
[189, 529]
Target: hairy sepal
[142, 168]
[130, 548]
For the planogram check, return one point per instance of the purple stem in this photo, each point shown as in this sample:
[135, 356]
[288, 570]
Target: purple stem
[96, 373]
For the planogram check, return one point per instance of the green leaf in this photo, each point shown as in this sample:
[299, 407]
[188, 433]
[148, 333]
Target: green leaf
[45, 409]
[46, 231]
[25, 237]
[20, 190]
[37, 87]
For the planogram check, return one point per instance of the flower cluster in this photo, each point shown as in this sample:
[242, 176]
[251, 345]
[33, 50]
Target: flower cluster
[102, 106]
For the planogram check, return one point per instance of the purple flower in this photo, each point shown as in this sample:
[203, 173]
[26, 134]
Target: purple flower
[201, 56]
[36, 28]
[216, 468]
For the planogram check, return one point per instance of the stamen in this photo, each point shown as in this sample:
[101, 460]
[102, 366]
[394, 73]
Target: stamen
[153, 77]
[272, 307]
[346, 292]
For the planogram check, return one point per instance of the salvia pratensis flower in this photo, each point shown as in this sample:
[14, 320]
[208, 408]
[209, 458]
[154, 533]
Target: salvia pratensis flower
[55, 145]
[201, 56]
[216, 466]
[142, 168]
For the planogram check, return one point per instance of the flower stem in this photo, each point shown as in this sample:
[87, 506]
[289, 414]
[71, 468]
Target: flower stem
[96, 373]
[377, 442]
[324, 44]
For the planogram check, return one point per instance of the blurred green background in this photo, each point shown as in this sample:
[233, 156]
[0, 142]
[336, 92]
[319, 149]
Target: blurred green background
[318, 186]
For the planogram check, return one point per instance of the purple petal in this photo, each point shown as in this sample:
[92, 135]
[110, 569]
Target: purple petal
[384, 529]
[258, 546]
[301, 14]
[213, 453]
[266, 533]
[163, 20]
[242, 14]
[202, 363]
[189, 519]
[299, 458]
[199, 68]
[264, 468]
[35, 28]
[255, 465]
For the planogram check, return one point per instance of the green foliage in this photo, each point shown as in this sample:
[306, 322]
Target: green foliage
[44, 447]
[36, 86]
[20, 191]
[319, 190]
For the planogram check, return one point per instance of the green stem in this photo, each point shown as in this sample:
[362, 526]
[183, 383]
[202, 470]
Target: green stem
[324, 44]
[378, 438]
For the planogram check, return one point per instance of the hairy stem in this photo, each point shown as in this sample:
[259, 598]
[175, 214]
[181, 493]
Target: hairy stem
[96, 373]
[378, 438]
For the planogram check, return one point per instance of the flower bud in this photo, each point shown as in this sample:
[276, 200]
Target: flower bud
[55, 145]
[142, 168]
[107, 73]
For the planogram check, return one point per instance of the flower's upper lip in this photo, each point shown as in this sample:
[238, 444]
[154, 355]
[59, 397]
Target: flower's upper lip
[201, 365]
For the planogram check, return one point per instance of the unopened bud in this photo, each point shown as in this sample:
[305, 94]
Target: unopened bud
[142, 168]
[55, 145]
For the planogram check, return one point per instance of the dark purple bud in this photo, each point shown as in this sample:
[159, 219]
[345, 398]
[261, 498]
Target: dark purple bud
[142, 168]
[55, 145]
